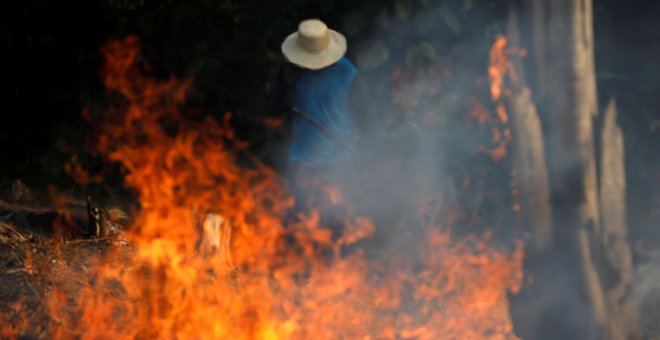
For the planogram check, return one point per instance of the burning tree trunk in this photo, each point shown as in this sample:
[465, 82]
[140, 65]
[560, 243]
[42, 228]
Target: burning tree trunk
[531, 177]
[589, 263]
[528, 149]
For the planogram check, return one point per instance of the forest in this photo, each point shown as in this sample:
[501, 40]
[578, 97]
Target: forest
[506, 188]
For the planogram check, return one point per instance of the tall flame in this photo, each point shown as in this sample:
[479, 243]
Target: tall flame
[260, 278]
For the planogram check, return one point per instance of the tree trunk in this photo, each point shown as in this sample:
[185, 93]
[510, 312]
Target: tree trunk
[612, 176]
[587, 278]
[528, 149]
[564, 41]
[529, 311]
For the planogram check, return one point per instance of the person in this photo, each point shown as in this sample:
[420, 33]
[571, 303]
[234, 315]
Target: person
[321, 90]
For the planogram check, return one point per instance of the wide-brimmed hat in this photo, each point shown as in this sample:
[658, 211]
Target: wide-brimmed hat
[314, 46]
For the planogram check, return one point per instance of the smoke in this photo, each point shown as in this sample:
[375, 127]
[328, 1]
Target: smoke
[425, 67]
[646, 290]
[425, 158]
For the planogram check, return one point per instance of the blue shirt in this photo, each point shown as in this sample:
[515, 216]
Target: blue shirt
[323, 95]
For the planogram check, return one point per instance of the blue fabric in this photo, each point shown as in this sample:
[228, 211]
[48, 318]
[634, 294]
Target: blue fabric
[323, 95]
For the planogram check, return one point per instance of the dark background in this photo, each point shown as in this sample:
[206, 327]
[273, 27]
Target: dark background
[49, 60]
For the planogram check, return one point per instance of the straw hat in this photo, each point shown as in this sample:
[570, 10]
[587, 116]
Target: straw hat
[314, 46]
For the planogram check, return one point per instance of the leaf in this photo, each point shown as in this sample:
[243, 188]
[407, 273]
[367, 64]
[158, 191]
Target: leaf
[402, 9]
[397, 38]
[381, 21]
[327, 6]
[468, 5]
[450, 20]
[424, 21]
[419, 55]
[373, 56]
[353, 22]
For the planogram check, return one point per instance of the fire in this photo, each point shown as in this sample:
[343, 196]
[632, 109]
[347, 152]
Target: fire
[499, 68]
[210, 255]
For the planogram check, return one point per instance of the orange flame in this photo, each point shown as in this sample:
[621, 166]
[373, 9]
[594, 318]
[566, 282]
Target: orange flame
[262, 279]
[499, 68]
[78, 173]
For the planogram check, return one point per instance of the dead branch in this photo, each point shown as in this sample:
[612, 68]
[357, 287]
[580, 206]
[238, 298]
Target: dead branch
[10, 234]
[39, 208]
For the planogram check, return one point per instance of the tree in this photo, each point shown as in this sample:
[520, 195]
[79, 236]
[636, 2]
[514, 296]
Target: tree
[583, 267]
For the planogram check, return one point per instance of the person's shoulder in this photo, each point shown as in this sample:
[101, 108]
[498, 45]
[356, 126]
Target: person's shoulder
[347, 65]
[346, 68]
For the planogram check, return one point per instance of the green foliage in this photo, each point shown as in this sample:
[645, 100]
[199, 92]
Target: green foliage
[450, 19]
[402, 8]
[373, 56]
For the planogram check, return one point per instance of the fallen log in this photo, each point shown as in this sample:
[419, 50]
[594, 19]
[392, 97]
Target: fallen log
[39, 208]
[93, 221]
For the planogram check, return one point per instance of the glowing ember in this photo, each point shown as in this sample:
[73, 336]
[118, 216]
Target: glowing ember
[210, 257]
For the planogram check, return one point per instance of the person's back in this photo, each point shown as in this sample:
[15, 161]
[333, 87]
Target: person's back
[323, 131]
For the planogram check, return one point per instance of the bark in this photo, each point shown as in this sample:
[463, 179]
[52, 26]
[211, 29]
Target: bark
[538, 22]
[529, 311]
[530, 169]
[614, 237]
[585, 246]
[566, 44]
[101, 221]
[528, 150]
[76, 211]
